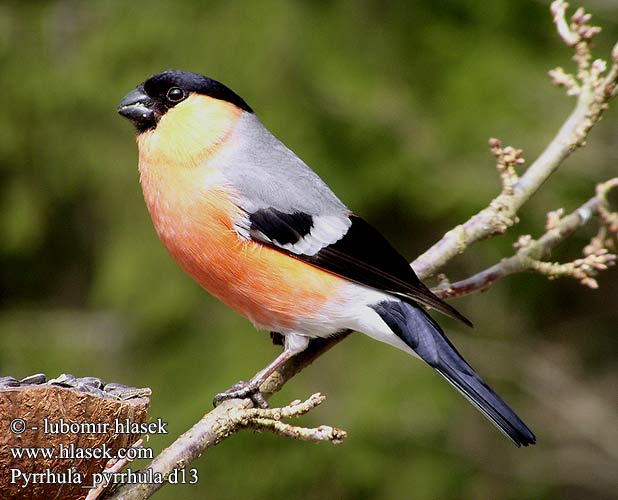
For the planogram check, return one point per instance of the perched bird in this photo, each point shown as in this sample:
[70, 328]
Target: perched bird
[259, 230]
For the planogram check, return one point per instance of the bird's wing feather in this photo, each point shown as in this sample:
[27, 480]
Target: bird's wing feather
[345, 245]
[284, 204]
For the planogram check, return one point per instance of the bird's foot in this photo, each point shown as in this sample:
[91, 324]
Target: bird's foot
[242, 390]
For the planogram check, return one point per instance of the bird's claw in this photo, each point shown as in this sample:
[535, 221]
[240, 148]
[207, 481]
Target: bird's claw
[242, 390]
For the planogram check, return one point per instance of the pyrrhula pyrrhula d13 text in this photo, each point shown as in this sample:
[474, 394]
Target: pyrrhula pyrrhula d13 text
[259, 230]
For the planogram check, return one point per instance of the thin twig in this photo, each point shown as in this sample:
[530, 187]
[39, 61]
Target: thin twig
[530, 253]
[226, 419]
[270, 420]
[595, 91]
[321, 433]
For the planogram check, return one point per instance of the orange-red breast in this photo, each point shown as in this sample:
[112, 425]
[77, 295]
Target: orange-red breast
[258, 229]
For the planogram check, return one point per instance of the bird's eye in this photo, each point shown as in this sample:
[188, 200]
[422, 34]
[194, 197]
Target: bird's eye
[175, 94]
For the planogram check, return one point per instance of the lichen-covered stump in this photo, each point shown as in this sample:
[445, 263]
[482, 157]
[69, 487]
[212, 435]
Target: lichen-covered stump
[55, 435]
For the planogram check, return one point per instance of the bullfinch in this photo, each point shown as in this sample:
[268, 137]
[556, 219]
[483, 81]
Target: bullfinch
[258, 229]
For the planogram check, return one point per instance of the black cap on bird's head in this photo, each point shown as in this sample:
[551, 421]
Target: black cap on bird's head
[149, 101]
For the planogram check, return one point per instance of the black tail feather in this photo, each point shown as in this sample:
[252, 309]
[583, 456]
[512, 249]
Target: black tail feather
[419, 331]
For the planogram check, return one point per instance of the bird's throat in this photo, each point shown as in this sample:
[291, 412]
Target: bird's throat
[188, 134]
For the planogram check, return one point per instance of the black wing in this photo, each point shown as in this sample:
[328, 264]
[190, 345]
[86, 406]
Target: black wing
[361, 254]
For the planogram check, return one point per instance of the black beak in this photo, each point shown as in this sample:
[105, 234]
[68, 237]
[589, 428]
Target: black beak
[136, 106]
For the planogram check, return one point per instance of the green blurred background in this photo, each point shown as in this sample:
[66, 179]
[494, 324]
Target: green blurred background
[392, 104]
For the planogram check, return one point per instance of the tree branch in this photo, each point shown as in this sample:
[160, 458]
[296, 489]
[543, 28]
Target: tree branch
[594, 87]
[114, 465]
[270, 420]
[594, 91]
[528, 258]
[226, 419]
